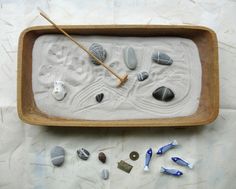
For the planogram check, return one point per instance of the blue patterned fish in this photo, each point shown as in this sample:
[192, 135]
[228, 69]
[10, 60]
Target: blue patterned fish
[165, 148]
[148, 157]
[173, 172]
[182, 162]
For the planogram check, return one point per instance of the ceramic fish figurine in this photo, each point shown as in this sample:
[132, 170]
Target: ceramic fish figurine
[59, 91]
[148, 157]
[173, 172]
[182, 162]
[167, 147]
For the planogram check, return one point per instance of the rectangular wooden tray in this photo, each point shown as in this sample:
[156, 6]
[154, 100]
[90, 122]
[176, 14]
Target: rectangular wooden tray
[204, 38]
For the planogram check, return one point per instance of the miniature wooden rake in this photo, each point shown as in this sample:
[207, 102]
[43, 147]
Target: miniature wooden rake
[122, 80]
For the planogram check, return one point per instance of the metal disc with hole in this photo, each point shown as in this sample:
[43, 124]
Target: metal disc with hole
[134, 156]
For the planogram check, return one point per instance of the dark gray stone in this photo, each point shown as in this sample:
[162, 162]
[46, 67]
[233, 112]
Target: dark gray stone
[83, 154]
[142, 76]
[99, 52]
[161, 58]
[99, 97]
[57, 156]
[163, 94]
[130, 58]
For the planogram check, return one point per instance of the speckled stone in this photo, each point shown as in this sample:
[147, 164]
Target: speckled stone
[99, 97]
[105, 174]
[102, 157]
[99, 52]
[83, 154]
[59, 91]
[163, 94]
[57, 155]
[161, 58]
[142, 76]
[130, 58]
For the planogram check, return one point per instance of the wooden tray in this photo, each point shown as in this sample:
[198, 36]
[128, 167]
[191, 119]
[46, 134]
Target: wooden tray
[204, 38]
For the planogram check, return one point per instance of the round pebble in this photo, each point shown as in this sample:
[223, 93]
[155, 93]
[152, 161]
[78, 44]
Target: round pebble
[83, 154]
[161, 58]
[99, 52]
[142, 76]
[102, 157]
[163, 94]
[57, 155]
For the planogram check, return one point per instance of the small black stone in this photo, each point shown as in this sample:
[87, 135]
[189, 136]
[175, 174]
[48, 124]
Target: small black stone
[142, 76]
[163, 94]
[99, 97]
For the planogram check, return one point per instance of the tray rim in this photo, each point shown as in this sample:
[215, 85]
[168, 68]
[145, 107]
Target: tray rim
[116, 123]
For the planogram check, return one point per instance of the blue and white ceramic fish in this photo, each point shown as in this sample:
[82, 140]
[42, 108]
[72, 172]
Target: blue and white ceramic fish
[148, 157]
[165, 148]
[173, 172]
[182, 162]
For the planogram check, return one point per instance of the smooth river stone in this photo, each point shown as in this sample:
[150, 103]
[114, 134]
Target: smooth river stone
[57, 156]
[130, 58]
[142, 76]
[102, 157]
[105, 174]
[163, 94]
[99, 97]
[83, 154]
[161, 58]
[99, 52]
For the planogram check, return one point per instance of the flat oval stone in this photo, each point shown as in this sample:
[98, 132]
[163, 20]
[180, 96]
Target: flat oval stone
[163, 94]
[102, 157]
[98, 51]
[99, 97]
[105, 174]
[57, 156]
[142, 76]
[83, 154]
[161, 58]
[130, 58]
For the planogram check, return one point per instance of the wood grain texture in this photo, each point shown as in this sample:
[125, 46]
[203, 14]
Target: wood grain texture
[204, 38]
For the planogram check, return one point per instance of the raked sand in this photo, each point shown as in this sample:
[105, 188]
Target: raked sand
[57, 58]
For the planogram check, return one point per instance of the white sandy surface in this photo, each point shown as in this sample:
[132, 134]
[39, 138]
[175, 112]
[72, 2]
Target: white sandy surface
[57, 58]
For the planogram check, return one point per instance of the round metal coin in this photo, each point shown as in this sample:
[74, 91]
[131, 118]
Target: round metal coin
[134, 155]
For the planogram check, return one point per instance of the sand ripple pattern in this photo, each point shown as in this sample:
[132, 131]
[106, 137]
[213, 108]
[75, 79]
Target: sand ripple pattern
[56, 58]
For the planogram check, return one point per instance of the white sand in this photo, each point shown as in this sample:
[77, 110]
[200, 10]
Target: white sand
[57, 58]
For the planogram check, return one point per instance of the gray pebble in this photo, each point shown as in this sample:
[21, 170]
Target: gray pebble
[98, 51]
[163, 94]
[161, 58]
[83, 154]
[105, 174]
[99, 97]
[142, 76]
[130, 58]
[57, 156]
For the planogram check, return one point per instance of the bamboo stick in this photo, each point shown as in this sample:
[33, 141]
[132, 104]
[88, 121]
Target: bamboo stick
[122, 79]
